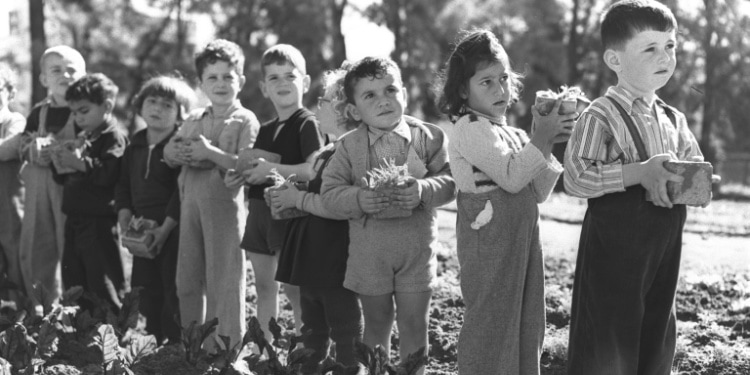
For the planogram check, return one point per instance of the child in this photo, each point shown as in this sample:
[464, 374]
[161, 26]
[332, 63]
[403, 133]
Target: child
[91, 257]
[42, 229]
[295, 136]
[11, 190]
[210, 267]
[320, 241]
[623, 316]
[148, 188]
[391, 262]
[501, 176]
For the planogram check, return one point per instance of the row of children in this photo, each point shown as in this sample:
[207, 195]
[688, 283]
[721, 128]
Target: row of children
[349, 273]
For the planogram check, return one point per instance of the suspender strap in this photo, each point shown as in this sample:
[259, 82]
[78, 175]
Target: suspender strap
[639, 145]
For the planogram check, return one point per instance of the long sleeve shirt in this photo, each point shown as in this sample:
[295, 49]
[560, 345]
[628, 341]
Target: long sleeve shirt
[486, 155]
[601, 143]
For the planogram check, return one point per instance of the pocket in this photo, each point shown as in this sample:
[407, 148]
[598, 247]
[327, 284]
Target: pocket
[469, 240]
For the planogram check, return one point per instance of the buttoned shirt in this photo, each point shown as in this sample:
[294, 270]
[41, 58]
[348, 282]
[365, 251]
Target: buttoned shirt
[601, 142]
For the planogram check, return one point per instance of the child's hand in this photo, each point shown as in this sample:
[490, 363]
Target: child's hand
[372, 202]
[233, 180]
[408, 197]
[45, 156]
[654, 178]
[160, 237]
[286, 198]
[554, 127]
[258, 174]
[69, 158]
[123, 220]
[200, 149]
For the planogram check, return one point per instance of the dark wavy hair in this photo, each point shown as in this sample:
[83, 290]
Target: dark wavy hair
[95, 87]
[220, 50]
[371, 68]
[172, 88]
[623, 19]
[474, 49]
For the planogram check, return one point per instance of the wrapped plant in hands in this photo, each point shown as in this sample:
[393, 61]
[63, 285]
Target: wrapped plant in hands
[136, 238]
[35, 148]
[74, 146]
[386, 179]
[573, 100]
[281, 183]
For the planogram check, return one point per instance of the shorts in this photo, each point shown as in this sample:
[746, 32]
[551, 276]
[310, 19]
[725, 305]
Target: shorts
[385, 258]
[263, 234]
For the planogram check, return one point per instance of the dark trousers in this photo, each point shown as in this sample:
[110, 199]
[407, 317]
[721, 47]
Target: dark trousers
[158, 298]
[330, 312]
[91, 257]
[623, 316]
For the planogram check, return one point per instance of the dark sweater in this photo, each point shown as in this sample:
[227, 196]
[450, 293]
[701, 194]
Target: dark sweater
[147, 185]
[57, 117]
[91, 193]
[297, 140]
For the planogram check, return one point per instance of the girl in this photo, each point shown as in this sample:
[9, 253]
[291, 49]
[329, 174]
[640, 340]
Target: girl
[501, 175]
[148, 188]
[320, 241]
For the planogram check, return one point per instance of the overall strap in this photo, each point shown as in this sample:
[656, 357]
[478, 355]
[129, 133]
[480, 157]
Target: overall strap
[639, 145]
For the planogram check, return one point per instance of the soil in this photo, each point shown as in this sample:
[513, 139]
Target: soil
[713, 307]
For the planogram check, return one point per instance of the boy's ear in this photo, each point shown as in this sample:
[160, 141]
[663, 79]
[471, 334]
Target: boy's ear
[43, 79]
[305, 83]
[109, 105]
[462, 92]
[353, 111]
[612, 59]
[243, 79]
[263, 89]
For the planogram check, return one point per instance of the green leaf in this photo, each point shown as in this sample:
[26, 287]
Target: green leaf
[84, 322]
[71, 296]
[139, 347]
[47, 341]
[256, 335]
[128, 316]
[299, 356]
[16, 346]
[105, 339]
[275, 330]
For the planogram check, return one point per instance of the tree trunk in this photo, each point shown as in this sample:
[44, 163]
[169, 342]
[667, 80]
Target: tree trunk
[573, 45]
[38, 45]
[339, 45]
[709, 104]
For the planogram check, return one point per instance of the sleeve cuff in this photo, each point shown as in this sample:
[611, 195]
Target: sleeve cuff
[300, 203]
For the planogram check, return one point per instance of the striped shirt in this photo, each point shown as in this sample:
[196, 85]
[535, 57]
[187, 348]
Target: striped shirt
[601, 143]
[486, 154]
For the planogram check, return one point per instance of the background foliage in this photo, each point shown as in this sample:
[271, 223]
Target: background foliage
[553, 42]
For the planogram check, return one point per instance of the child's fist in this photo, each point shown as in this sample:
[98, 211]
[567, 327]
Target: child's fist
[654, 179]
[200, 149]
[372, 202]
[409, 196]
[282, 199]
[232, 179]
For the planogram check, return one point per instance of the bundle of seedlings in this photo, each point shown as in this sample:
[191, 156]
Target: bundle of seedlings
[281, 183]
[386, 179]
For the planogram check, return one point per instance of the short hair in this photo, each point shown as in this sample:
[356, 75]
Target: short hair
[333, 87]
[283, 54]
[8, 77]
[220, 50]
[369, 67]
[474, 48]
[624, 19]
[65, 52]
[171, 88]
[96, 88]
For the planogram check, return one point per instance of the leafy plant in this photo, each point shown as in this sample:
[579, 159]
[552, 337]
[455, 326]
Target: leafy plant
[282, 358]
[388, 175]
[193, 337]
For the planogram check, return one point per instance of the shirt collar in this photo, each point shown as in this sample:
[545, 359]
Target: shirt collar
[495, 120]
[209, 111]
[627, 98]
[402, 129]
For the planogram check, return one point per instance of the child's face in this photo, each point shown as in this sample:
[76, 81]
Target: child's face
[221, 83]
[379, 102]
[160, 113]
[58, 73]
[646, 62]
[284, 85]
[88, 115]
[488, 90]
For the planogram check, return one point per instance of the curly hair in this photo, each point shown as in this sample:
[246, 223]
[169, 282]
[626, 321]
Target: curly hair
[369, 67]
[171, 88]
[95, 87]
[220, 50]
[473, 49]
[333, 89]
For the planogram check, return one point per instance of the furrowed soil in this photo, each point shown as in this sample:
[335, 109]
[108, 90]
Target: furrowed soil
[713, 298]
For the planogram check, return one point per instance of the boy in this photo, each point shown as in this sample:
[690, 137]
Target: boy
[91, 257]
[210, 266]
[11, 190]
[391, 262]
[43, 226]
[623, 317]
[294, 135]
[148, 188]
